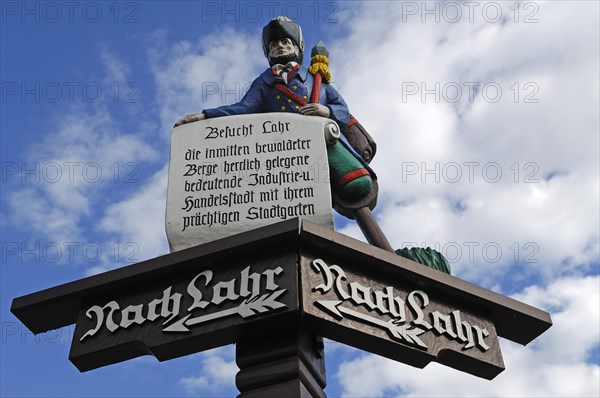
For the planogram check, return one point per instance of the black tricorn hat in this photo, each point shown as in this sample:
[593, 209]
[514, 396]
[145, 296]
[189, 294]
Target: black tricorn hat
[279, 28]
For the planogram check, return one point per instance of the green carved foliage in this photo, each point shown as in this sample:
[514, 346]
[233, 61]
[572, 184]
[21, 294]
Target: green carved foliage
[429, 257]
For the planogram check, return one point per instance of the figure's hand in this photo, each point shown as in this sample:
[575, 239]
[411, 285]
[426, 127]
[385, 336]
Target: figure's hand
[315, 110]
[190, 118]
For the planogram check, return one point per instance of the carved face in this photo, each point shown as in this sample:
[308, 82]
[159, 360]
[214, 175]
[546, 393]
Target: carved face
[282, 47]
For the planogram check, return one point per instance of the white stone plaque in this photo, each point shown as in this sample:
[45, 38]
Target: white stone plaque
[233, 174]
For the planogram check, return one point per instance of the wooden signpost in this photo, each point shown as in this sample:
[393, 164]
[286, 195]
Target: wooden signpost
[278, 286]
[273, 284]
[255, 260]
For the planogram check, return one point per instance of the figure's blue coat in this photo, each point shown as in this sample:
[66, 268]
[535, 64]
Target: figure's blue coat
[262, 97]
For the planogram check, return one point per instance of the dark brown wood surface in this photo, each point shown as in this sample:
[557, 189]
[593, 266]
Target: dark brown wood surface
[292, 245]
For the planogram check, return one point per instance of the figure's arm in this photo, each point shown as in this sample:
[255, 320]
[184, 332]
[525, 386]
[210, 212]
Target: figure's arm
[252, 102]
[337, 106]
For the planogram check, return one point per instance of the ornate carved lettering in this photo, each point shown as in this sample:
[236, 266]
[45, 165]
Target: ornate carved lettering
[391, 304]
[420, 316]
[246, 286]
[195, 293]
[169, 306]
[99, 312]
[126, 316]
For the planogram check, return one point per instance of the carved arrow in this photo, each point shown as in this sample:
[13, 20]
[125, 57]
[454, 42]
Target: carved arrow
[248, 308]
[401, 333]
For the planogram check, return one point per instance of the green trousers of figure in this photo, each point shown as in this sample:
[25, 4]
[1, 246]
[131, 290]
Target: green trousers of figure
[349, 178]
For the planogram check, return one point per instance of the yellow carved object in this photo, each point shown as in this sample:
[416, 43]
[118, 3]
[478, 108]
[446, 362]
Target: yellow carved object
[320, 64]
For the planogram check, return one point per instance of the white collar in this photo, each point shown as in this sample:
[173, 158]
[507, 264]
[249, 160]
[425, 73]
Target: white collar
[284, 68]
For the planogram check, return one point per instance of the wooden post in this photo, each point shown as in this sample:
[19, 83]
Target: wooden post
[370, 228]
[361, 212]
[288, 364]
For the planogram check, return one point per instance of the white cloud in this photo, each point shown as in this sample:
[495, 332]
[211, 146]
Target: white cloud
[575, 307]
[116, 69]
[542, 213]
[138, 221]
[436, 155]
[218, 369]
[211, 71]
[59, 224]
[97, 156]
[76, 163]
[87, 157]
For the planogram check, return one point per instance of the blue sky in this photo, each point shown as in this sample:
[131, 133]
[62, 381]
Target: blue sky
[486, 115]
